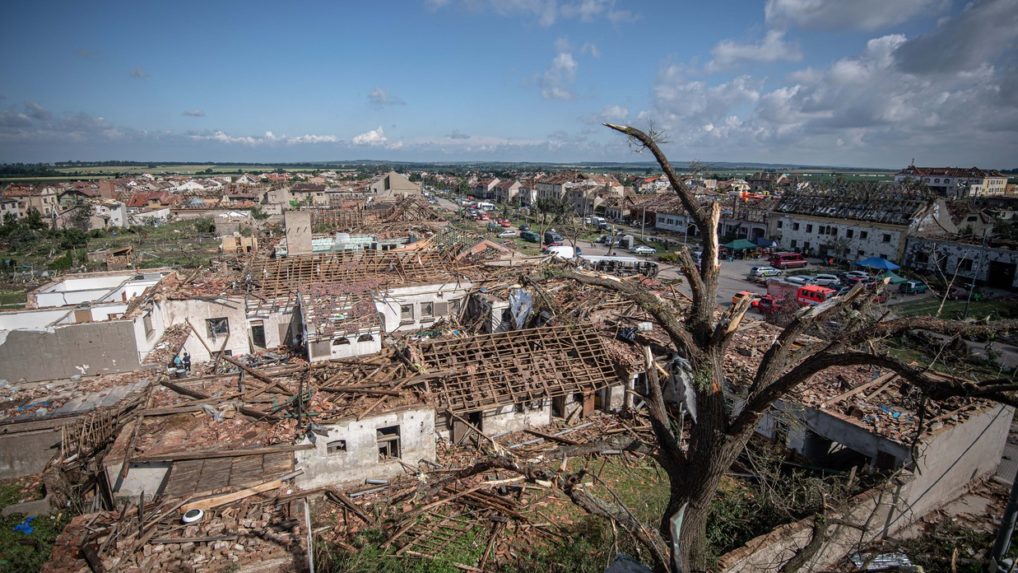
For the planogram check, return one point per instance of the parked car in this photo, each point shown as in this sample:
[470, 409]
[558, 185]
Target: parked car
[505, 223]
[524, 227]
[764, 272]
[754, 297]
[508, 233]
[643, 250]
[800, 279]
[788, 261]
[827, 280]
[552, 237]
[913, 287]
[811, 295]
[530, 236]
[859, 274]
[767, 304]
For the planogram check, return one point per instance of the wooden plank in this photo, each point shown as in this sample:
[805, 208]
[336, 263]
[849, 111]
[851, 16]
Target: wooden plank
[553, 438]
[209, 454]
[223, 499]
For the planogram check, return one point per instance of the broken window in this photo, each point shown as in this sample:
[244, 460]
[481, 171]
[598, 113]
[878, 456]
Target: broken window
[779, 224]
[258, 333]
[863, 234]
[217, 327]
[887, 237]
[340, 341]
[335, 447]
[388, 443]
[365, 338]
[850, 233]
[406, 313]
[965, 265]
[427, 310]
[794, 243]
[148, 324]
[809, 228]
[795, 226]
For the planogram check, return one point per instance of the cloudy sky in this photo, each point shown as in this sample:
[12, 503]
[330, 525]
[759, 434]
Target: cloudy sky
[825, 82]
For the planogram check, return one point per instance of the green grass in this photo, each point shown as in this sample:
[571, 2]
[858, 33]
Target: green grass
[995, 309]
[20, 552]
[13, 298]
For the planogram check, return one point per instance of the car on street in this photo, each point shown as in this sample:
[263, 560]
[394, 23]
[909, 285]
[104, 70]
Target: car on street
[530, 236]
[508, 233]
[827, 280]
[913, 287]
[767, 304]
[643, 250]
[800, 279]
[858, 274]
[764, 272]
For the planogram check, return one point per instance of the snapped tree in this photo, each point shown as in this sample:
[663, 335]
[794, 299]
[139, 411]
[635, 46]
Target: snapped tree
[701, 333]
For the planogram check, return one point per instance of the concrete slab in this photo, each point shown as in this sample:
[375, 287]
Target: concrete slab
[37, 507]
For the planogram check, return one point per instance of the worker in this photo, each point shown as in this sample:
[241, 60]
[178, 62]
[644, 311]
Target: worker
[187, 362]
[178, 364]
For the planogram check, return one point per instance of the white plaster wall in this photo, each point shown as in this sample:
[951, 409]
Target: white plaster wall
[872, 246]
[30, 319]
[86, 283]
[355, 348]
[271, 322]
[178, 311]
[147, 341]
[142, 477]
[388, 303]
[360, 460]
[63, 298]
[507, 419]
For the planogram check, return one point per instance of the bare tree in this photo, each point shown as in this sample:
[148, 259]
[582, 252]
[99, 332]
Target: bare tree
[701, 334]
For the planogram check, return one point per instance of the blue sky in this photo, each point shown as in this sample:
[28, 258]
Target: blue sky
[861, 83]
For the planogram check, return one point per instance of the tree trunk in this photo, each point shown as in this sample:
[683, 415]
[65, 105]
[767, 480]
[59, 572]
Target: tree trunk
[711, 452]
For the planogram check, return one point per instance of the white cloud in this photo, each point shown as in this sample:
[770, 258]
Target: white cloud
[557, 81]
[882, 106]
[982, 31]
[590, 49]
[773, 48]
[839, 14]
[380, 97]
[611, 113]
[193, 113]
[373, 137]
[545, 12]
[267, 138]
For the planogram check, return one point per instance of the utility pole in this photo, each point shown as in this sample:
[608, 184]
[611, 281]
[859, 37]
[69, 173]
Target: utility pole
[1003, 542]
[975, 273]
